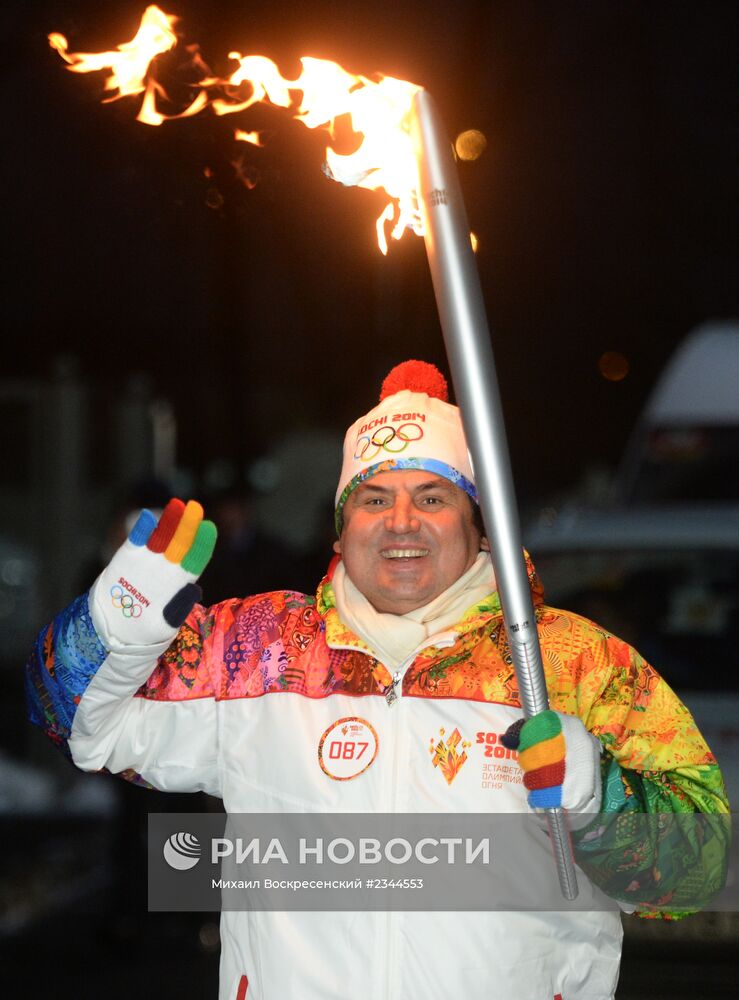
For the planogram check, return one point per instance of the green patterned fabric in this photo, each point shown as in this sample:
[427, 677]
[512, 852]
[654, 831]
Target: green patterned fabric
[661, 842]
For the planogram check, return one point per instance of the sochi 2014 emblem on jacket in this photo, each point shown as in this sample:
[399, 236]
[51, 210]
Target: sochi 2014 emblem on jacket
[446, 755]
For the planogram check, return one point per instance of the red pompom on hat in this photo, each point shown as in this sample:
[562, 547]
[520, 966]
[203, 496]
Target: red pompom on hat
[413, 427]
[418, 376]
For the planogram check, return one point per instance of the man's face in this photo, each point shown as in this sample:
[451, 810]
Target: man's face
[407, 536]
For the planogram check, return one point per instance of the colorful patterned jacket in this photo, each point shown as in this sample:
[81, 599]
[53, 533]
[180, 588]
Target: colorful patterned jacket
[252, 698]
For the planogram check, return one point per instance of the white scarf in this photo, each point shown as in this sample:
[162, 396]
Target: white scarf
[392, 638]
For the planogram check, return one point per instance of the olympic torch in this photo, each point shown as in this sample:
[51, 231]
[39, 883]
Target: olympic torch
[468, 347]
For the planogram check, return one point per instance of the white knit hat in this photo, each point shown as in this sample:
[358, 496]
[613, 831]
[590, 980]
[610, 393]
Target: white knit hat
[413, 427]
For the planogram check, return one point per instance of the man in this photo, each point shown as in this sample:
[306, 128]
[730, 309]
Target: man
[404, 641]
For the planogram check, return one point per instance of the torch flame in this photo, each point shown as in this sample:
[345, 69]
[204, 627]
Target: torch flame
[253, 137]
[378, 110]
[129, 63]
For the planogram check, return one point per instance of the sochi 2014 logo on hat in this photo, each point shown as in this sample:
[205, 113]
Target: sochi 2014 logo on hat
[392, 439]
[347, 748]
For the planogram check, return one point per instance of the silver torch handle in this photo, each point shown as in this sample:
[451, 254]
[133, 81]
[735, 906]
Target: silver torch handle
[468, 347]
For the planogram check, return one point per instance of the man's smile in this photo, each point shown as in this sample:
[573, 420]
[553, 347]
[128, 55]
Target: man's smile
[403, 553]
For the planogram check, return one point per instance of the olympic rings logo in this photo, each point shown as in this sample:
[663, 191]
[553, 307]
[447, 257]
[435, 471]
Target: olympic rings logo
[390, 439]
[120, 599]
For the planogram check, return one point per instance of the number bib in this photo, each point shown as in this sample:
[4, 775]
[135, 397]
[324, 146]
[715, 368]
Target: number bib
[347, 748]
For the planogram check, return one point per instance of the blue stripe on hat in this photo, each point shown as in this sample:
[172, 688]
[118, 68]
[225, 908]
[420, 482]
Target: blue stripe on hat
[400, 465]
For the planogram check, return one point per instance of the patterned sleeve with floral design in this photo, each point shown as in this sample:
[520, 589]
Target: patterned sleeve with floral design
[660, 844]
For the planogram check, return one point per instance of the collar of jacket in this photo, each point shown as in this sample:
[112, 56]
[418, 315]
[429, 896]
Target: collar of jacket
[479, 615]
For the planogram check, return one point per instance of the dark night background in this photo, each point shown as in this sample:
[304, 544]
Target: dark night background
[137, 265]
[605, 205]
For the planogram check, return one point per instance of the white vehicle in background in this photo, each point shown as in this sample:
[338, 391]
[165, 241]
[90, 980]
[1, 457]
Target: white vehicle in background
[685, 446]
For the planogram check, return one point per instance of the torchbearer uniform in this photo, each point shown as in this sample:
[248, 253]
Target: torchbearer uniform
[242, 700]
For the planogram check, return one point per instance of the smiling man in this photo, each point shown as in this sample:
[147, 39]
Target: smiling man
[406, 538]
[391, 691]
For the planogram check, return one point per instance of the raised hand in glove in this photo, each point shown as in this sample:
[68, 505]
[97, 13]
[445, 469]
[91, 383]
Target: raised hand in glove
[149, 587]
[560, 760]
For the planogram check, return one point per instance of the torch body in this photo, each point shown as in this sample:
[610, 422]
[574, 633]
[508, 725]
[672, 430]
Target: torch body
[468, 346]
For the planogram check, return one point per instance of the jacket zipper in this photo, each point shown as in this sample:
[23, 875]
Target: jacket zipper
[396, 722]
[394, 690]
[393, 693]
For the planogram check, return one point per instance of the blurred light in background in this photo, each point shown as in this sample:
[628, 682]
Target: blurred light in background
[613, 366]
[474, 241]
[209, 937]
[470, 145]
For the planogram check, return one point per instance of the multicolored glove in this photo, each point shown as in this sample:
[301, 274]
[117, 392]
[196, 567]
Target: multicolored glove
[149, 588]
[560, 760]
